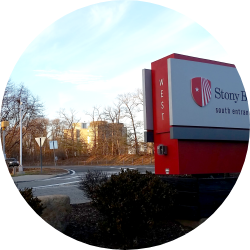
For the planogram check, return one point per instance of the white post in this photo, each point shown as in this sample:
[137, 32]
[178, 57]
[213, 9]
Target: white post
[53, 146]
[54, 153]
[21, 138]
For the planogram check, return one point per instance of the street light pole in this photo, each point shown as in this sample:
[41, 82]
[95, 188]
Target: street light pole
[4, 125]
[21, 139]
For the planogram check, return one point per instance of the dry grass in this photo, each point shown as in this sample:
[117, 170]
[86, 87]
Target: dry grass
[45, 171]
[106, 160]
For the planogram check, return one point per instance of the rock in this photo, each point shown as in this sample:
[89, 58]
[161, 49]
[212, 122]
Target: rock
[57, 210]
[191, 223]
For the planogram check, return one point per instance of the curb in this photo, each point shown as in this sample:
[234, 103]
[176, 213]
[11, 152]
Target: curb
[56, 175]
[68, 172]
[47, 176]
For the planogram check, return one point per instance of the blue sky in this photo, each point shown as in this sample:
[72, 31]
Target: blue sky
[91, 55]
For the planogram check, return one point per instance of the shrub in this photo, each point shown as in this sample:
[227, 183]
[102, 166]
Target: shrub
[91, 181]
[34, 202]
[131, 203]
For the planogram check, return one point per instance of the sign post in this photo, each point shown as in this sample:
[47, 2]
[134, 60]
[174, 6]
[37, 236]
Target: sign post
[53, 145]
[40, 141]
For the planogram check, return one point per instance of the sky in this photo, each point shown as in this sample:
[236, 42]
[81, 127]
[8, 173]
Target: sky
[91, 55]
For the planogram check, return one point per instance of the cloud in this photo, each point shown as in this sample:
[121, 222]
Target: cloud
[44, 36]
[83, 81]
[136, 45]
[107, 16]
[128, 80]
[69, 76]
[209, 49]
[201, 46]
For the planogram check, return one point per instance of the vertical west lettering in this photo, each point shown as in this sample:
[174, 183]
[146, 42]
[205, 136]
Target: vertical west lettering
[162, 103]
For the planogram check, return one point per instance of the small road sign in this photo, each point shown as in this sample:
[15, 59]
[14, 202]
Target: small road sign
[40, 141]
[53, 145]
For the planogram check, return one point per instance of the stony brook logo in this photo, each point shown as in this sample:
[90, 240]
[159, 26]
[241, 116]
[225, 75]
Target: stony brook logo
[201, 91]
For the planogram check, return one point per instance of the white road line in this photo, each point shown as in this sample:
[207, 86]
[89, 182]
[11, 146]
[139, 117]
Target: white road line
[54, 185]
[60, 177]
[59, 184]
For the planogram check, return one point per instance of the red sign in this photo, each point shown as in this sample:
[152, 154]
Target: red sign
[201, 91]
[192, 148]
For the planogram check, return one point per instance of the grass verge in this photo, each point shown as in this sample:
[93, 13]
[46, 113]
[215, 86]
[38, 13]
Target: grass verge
[37, 171]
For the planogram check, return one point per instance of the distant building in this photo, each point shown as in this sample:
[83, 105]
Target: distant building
[100, 137]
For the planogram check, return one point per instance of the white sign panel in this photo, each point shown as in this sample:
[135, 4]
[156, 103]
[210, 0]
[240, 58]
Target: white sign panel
[147, 99]
[206, 95]
[38, 141]
[53, 145]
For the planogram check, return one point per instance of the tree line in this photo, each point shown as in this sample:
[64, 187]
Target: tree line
[113, 130]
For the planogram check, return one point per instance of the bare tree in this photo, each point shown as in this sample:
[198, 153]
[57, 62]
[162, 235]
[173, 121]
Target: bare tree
[56, 128]
[72, 141]
[32, 114]
[56, 133]
[138, 97]
[117, 138]
[147, 147]
[97, 131]
[130, 109]
[30, 146]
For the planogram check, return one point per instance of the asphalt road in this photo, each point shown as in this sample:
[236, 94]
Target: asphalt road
[67, 184]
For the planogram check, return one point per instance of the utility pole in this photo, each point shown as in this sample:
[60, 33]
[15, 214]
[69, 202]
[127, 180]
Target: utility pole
[21, 139]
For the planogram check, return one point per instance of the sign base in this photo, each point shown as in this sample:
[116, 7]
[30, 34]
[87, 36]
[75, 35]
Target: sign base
[199, 197]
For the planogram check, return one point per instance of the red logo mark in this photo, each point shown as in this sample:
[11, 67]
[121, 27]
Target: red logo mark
[201, 90]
